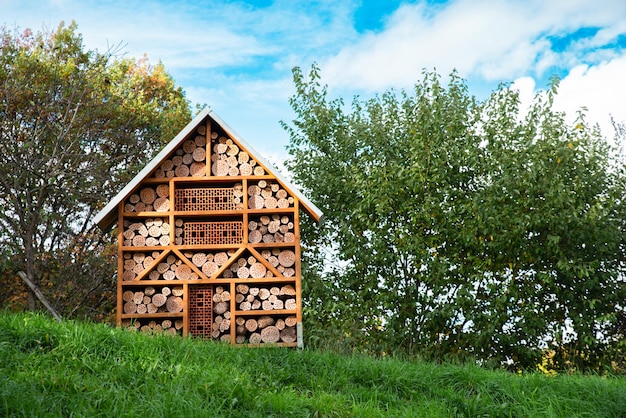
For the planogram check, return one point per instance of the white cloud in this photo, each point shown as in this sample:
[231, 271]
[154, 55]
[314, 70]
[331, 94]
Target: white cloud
[188, 34]
[481, 38]
[601, 89]
[526, 88]
[237, 57]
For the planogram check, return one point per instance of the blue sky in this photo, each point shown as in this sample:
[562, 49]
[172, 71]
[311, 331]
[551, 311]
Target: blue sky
[237, 56]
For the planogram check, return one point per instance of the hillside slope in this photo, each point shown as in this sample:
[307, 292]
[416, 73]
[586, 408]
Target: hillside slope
[73, 368]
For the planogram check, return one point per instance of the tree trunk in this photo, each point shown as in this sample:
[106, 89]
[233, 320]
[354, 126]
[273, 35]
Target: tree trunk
[30, 266]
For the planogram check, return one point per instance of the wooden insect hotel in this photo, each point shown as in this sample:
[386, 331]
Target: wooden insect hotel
[209, 242]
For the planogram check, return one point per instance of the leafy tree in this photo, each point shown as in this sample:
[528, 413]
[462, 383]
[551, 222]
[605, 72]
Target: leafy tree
[456, 227]
[74, 126]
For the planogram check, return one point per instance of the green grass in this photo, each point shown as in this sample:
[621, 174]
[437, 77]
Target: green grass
[77, 369]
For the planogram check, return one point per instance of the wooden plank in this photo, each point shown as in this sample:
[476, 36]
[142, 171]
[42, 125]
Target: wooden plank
[233, 314]
[296, 226]
[120, 263]
[186, 310]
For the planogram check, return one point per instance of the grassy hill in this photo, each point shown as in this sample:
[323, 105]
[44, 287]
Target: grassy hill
[78, 369]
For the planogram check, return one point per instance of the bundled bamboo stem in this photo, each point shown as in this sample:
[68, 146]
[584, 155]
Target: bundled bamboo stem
[247, 267]
[266, 330]
[165, 326]
[268, 195]
[188, 160]
[153, 299]
[146, 232]
[274, 229]
[229, 160]
[170, 268]
[265, 298]
[222, 318]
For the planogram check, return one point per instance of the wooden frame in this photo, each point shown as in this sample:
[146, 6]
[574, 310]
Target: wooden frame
[245, 253]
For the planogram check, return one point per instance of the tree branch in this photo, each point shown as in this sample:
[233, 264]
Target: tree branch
[39, 295]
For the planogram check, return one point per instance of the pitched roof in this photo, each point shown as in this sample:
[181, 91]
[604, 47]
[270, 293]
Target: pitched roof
[108, 215]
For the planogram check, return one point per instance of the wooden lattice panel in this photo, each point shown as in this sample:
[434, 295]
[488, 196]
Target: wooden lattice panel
[213, 233]
[206, 199]
[200, 310]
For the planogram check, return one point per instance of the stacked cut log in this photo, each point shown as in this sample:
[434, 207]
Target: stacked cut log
[268, 195]
[136, 263]
[281, 259]
[266, 329]
[209, 263]
[274, 228]
[246, 268]
[151, 300]
[238, 195]
[168, 268]
[149, 199]
[228, 160]
[178, 232]
[151, 232]
[220, 329]
[266, 298]
[154, 326]
[188, 160]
